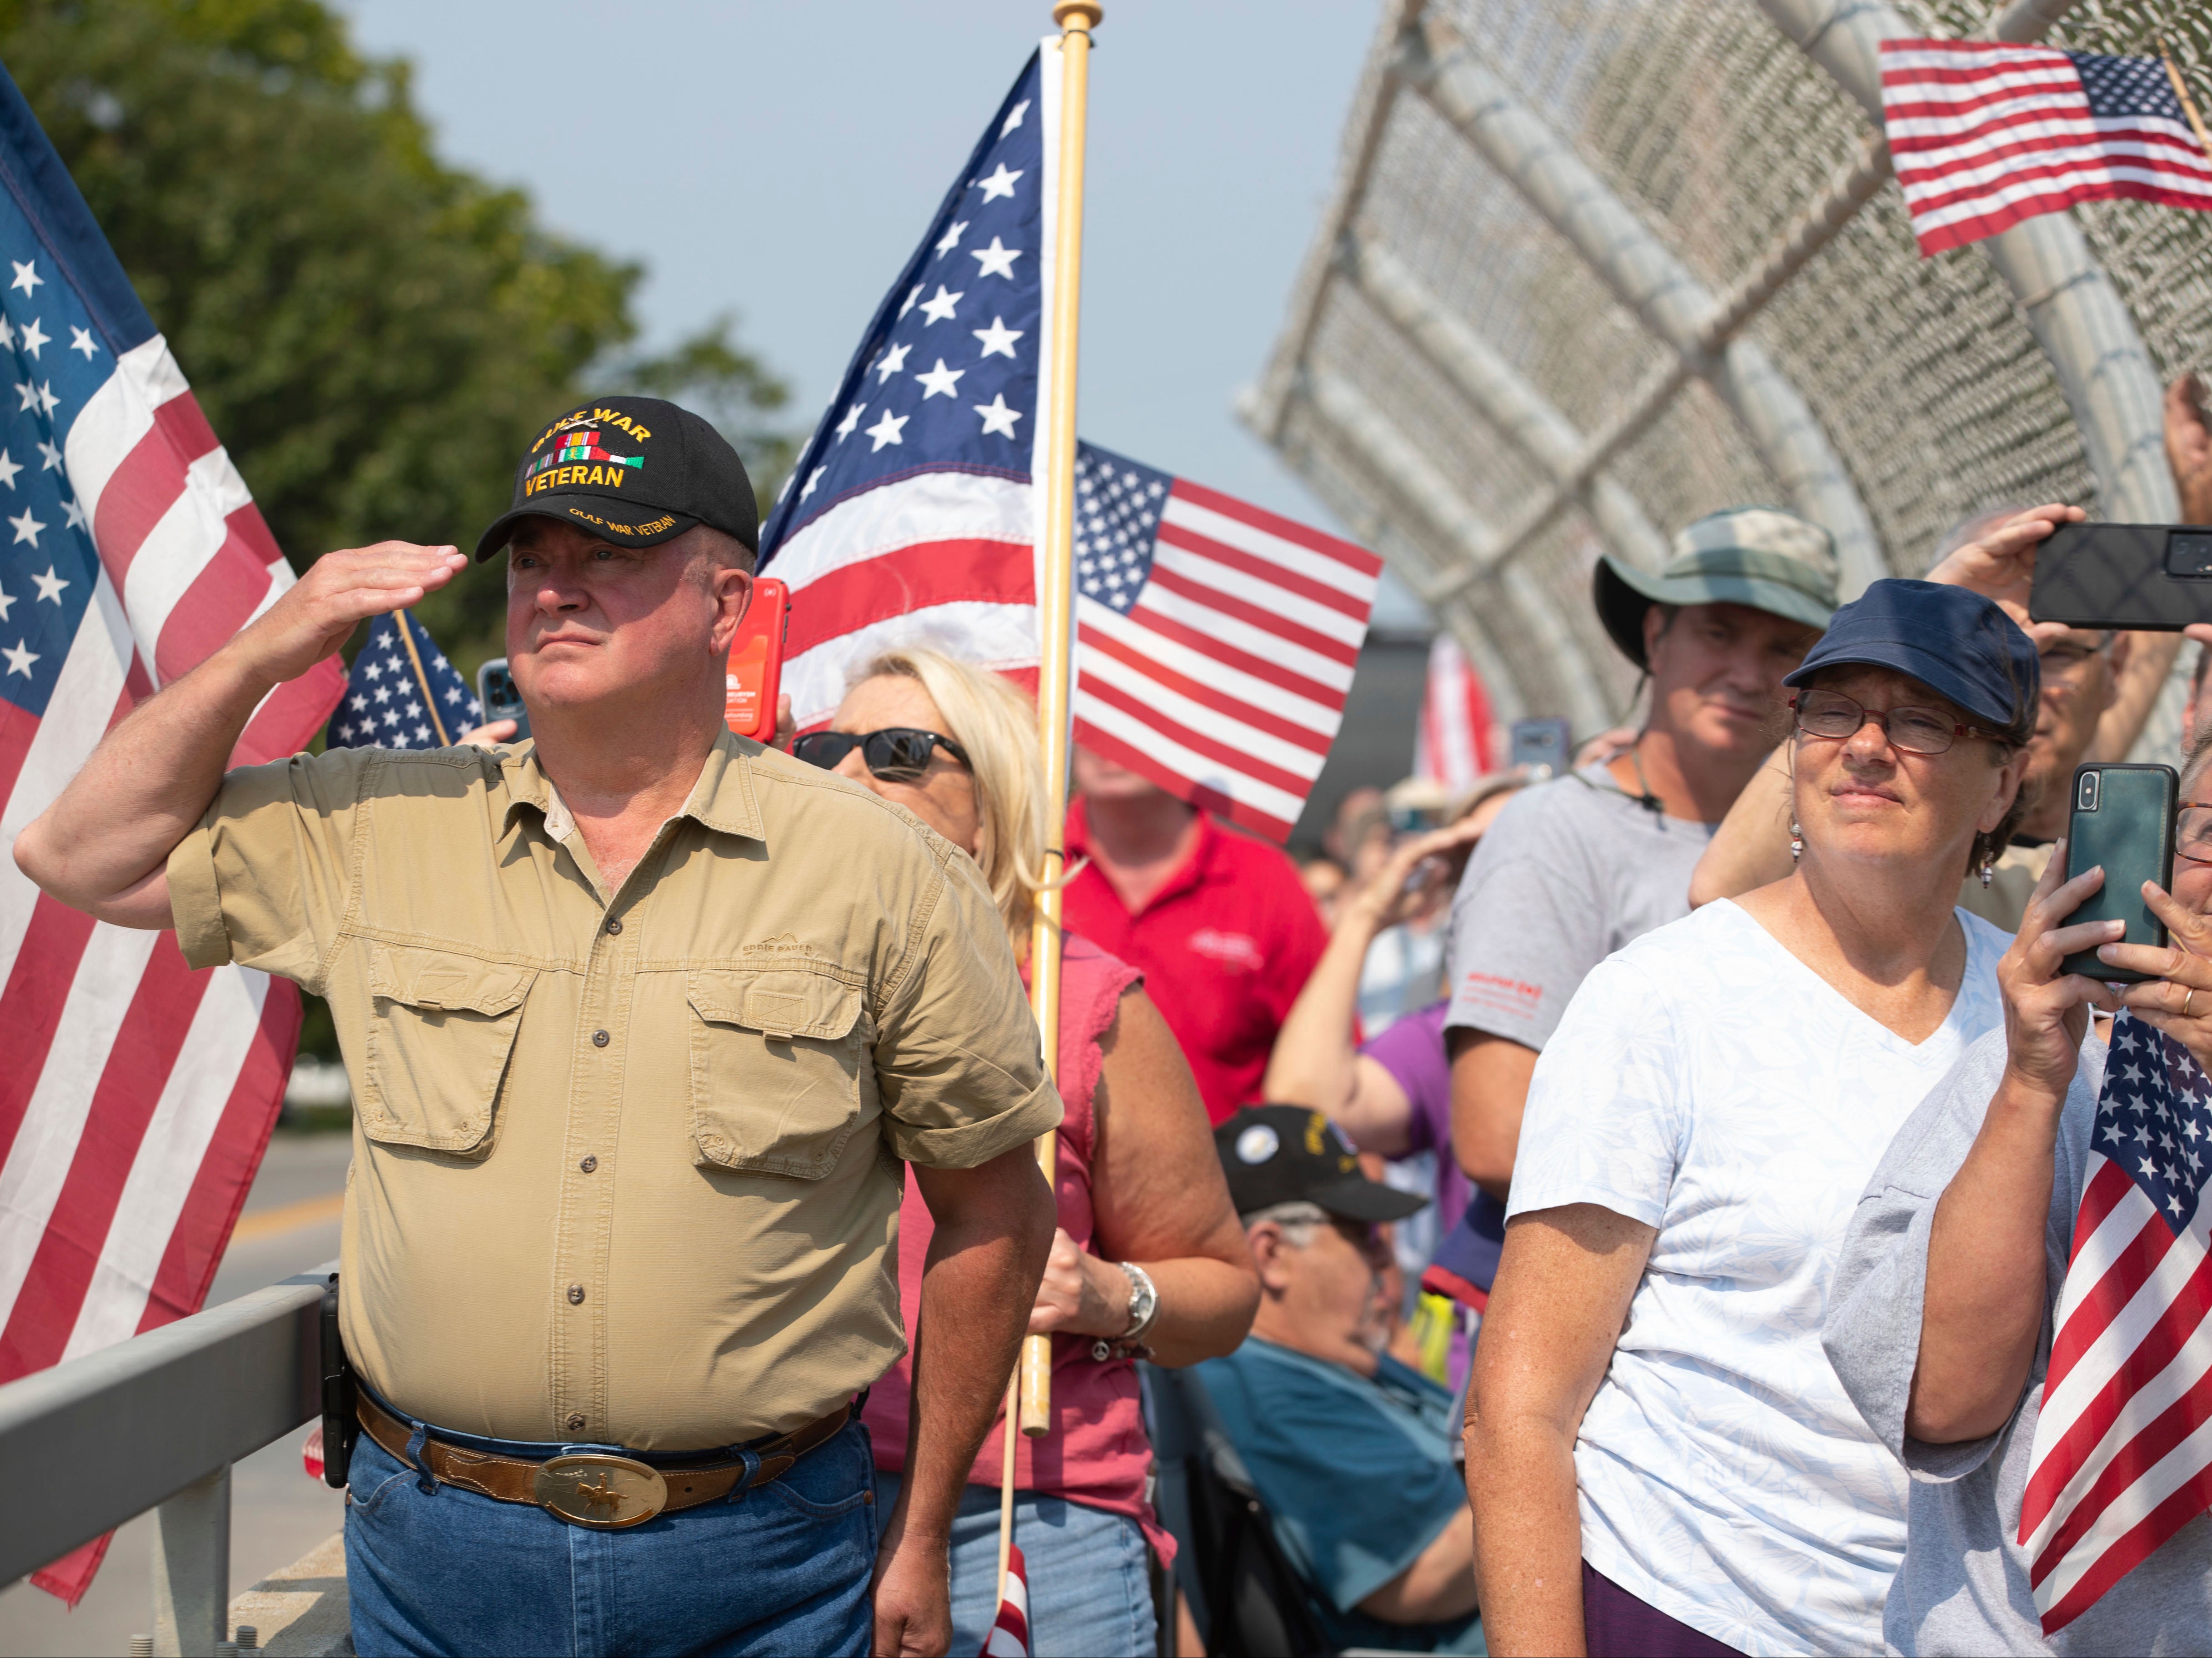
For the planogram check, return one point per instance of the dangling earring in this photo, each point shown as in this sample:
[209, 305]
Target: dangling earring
[1987, 872]
[1797, 841]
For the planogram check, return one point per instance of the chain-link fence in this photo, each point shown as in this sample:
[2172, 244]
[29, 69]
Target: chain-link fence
[1494, 381]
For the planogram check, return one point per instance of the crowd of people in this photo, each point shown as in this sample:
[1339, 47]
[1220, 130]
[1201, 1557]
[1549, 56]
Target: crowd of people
[1620, 1212]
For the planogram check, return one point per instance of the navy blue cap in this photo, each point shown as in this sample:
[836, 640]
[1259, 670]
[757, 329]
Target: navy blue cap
[1952, 639]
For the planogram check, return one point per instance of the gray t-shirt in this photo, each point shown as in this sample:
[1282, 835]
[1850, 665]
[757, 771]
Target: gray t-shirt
[1964, 1587]
[1571, 870]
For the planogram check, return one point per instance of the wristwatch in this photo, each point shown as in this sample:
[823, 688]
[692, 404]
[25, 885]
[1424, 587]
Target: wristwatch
[1144, 1310]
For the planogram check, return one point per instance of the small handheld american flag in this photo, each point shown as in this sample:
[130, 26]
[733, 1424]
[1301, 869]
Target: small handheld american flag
[401, 692]
[1215, 641]
[2123, 1452]
[1985, 135]
[1009, 1635]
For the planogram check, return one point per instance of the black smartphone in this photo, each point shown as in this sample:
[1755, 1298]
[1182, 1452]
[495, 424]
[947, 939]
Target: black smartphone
[340, 1426]
[496, 690]
[2156, 577]
[2122, 819]
[1539, 743]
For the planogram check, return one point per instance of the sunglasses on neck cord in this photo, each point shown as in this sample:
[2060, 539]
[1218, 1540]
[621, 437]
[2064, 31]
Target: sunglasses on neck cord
[896, 754]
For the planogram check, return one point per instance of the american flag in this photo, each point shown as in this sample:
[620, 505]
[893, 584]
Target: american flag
[136, 1095]
[1216, 641]
[1455, 734]
[1009, 1634]
[1985, 135]
[401, 692]
[2123, 1452]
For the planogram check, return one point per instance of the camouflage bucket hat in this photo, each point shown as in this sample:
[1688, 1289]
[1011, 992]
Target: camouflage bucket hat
[1763, 556]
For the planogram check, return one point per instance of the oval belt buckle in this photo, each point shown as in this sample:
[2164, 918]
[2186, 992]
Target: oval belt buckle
[605, 1493]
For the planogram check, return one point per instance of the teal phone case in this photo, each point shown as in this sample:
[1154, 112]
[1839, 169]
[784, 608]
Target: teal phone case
[2123, 820]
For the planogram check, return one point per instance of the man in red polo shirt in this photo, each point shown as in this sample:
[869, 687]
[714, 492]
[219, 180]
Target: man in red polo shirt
[1217, 919]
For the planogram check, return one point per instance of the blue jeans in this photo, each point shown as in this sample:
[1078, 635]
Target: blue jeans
[782, 1568]
[1090, 1594]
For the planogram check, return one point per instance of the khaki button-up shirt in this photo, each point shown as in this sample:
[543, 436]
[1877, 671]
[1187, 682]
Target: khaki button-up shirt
[627, 1165]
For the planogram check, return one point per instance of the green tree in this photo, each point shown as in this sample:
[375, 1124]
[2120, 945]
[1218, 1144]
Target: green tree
[374, 335]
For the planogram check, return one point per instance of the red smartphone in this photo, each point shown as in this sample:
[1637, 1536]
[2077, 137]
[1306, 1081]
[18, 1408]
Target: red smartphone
[756, 671]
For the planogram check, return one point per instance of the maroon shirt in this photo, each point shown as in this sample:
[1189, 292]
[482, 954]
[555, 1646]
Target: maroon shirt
[1224, 946]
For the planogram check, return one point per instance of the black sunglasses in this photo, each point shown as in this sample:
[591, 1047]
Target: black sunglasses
[896, 754]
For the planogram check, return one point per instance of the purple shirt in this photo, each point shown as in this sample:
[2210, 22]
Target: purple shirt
[1412, 1052]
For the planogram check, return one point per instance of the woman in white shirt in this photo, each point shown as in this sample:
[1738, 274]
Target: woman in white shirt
[1659, 1456]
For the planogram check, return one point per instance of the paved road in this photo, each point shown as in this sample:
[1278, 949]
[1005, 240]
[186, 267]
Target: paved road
[290, 1223]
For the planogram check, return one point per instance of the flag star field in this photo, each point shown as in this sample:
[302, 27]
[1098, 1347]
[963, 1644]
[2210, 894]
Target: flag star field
[947, 374]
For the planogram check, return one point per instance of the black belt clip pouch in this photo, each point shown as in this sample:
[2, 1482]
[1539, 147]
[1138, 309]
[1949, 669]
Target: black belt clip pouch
[340, 1422]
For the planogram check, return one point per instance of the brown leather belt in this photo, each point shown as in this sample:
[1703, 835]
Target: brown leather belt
[593, 1489]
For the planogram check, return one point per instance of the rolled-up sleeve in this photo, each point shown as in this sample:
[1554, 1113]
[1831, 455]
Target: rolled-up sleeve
[958, 1065]
[263, 878]
[1872, 1331]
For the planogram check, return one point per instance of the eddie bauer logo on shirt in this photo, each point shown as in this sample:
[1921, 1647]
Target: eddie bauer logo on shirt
[1237, 948]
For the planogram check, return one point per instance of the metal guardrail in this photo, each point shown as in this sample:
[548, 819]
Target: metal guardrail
[155, 1423]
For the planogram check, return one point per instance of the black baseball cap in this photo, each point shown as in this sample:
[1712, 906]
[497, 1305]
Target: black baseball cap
[636, 471]
[1276, 1154]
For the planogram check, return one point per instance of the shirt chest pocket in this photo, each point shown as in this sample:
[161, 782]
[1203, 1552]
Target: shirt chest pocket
[778, 1062]
[440, 1029]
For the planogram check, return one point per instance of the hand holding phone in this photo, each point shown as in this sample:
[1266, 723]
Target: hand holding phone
[496, 693]
[2121, 820]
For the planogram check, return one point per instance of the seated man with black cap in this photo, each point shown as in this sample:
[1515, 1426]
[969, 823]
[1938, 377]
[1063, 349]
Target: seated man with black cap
[1352, 1451]
[644, 1023]
[1576, 868]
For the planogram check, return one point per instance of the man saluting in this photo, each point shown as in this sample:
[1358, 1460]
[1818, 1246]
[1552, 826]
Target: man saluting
[642, 1022]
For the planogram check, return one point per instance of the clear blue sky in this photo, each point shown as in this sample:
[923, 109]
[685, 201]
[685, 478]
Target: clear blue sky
[780, 160]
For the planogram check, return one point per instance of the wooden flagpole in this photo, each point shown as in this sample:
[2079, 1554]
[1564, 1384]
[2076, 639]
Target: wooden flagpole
[1032, 1389]
[2188, 104]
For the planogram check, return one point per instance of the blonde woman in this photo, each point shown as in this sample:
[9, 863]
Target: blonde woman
[1149, 1258]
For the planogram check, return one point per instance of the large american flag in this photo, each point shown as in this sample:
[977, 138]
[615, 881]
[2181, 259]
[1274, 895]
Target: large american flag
[1216, 641]
[1984, 134]
[2123, 1453]
[136, 1095]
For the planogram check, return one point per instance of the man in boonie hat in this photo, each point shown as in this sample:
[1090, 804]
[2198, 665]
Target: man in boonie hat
[1576, 868]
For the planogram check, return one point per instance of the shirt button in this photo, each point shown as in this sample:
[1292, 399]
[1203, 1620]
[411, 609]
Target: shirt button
[615, 925]
[600, 1039]
[575, 1420]
[588, 1164]
[576, 1294]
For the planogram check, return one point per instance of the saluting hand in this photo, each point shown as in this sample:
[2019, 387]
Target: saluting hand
[2177, 998]
[2047, 1012]
[318, 611]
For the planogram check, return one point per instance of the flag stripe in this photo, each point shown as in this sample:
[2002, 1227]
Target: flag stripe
[1125, 664]
[1259, 602]
[1276, 526]
[160, 1010]
[1230, 746]
[225, 1175]
[899, 584]
[1155, 748]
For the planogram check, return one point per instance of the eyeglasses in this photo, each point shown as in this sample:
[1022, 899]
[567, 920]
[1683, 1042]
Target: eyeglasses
[1832, 716]
[2063, 661]
[896, 754]
[2192, 833]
